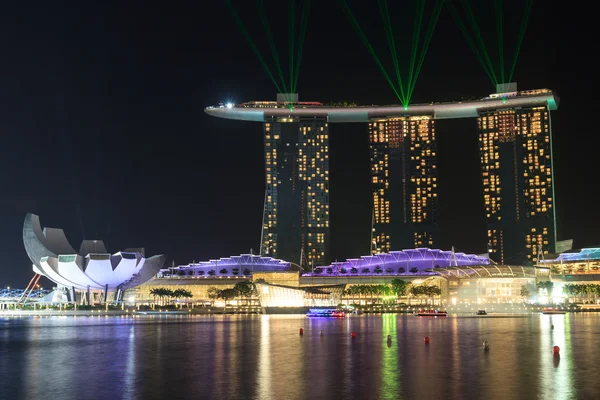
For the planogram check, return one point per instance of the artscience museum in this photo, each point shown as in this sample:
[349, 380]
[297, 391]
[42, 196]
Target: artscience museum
[92, 268]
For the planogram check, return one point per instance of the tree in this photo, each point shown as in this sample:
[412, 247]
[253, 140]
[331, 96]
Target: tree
[401, 270]
[223, 271]
[213, 294]
[212, 272]
[353, 270]
[154, 292]
[365, 270]
[548, 286]
[245, 289]
[200, 272]
[378, 270]
[399, 287]
[227, 294]
[235, 271]
[246, 271]
[343, 270]
[413, 270]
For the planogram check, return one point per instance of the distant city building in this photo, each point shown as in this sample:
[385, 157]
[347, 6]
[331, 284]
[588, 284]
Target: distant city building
[296, 214]
[518, 187]
[404, 181]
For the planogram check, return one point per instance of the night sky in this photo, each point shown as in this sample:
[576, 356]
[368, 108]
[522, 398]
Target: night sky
[103, 131]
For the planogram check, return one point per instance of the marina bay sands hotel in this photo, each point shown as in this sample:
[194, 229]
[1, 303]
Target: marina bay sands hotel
[515, 144]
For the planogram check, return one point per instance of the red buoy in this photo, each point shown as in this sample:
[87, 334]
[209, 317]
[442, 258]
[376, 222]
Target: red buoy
[556, 349]
[301, 331]
[426, 340]
[353, 334]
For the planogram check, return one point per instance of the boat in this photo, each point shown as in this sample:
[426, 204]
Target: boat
[549, 310]
[431, 313]
[481, 312]
[325, 312]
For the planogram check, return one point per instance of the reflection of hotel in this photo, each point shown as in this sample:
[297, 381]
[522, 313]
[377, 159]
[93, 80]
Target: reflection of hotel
[404, 182]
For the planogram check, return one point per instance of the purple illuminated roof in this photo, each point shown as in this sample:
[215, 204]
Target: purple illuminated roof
[239, 263]
[581, 255]
[424, 260]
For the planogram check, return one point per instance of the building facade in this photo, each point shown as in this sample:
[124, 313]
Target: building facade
[296, 214]
[518, 186]
[404, 182]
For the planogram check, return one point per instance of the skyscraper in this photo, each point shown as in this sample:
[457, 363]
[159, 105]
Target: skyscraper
[296, 215]
[516, 160]
[404, 181]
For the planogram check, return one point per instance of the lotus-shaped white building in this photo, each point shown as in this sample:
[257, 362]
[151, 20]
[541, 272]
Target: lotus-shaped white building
[92, 268]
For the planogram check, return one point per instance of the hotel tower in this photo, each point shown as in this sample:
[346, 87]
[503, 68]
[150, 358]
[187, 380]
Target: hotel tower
[296, 214]
[518, 188]
[404, 183]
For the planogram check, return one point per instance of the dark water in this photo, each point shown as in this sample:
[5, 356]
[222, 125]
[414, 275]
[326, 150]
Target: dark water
[264, 357]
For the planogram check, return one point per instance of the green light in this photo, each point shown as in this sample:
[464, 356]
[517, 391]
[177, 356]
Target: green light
[504, 100]
[252, 44]
[303, 27]
[521, 35]
[367, 44]
[416, 53]
[265, 22]
[406, 108]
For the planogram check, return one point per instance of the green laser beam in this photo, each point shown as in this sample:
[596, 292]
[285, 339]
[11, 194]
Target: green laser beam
[387, 24]
[419, 11]
[527, 12]
[292, 31]
[500, 34]
[479, 37]
[265, 21]
[303, 28]
[252, 44]
[437, 10]
[365, 41]
[470, 41]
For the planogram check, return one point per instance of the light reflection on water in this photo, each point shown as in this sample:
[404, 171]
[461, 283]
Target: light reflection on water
[265, 357]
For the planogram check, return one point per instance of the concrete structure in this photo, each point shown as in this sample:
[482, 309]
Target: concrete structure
[263, 111]
[516, 161]
[91, 269]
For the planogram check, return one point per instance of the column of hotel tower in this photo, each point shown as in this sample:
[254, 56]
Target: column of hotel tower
[404, 181]
[516, 159]
[296, 219]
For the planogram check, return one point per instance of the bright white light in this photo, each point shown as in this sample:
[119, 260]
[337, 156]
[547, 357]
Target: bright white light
[229, 105]
[131, 299]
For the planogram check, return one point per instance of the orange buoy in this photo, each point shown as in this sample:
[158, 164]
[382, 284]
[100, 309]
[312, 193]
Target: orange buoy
[556, 349]
[301, 331]
[426, 340]
[353, 334]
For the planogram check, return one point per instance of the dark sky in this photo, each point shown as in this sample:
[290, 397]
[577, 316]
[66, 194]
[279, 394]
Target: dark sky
[103, 132]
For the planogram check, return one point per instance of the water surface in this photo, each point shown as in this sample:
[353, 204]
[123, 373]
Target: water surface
[265, 357]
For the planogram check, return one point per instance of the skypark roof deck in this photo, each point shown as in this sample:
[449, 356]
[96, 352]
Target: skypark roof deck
[262, 111]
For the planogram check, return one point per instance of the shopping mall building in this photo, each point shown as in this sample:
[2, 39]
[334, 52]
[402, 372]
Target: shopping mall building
[461, 278]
